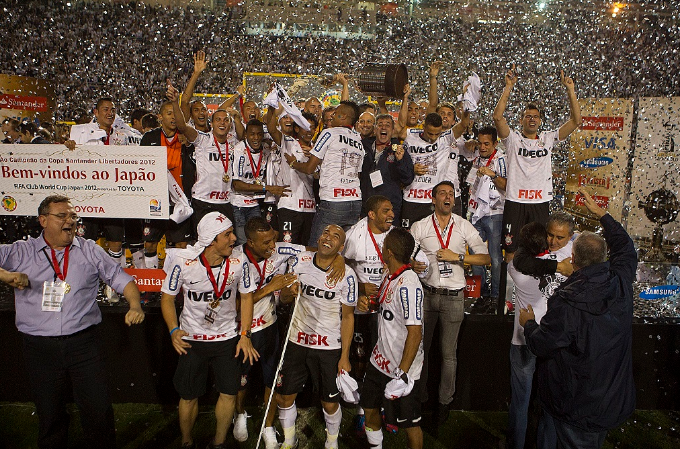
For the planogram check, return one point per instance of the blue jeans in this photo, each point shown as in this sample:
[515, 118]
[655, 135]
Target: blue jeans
[522, 367]
[343, 213]
[241, 217]
[490, 229]
[571, 437]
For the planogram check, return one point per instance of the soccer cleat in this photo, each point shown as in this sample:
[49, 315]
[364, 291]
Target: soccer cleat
[290, 446]
[269, 437]
[241, 427]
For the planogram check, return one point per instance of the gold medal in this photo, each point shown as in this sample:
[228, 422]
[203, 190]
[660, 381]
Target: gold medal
[215, 303]
[258, 181]
[67, 287]
[225, 178]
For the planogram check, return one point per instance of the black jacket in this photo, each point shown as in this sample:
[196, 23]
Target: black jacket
[584, 341]
[395, 174]
[153, 138]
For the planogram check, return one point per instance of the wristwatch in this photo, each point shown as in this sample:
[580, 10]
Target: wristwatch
[461, 258]
[247, 334]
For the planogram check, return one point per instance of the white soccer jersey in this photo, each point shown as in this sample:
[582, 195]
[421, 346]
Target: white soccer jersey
[319, 314]
[342, 156]
[483, 185]
[92, 134]
[210, 185]
[436, 156]
[530, 167]
[264, 310]
[244, 171]
[530, 290]
[402, 306]
[191, 276]
[301, 196]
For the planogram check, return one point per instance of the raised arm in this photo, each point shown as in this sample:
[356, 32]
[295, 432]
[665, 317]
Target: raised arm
[498, 114]
[342, 79]
[199, 66]
[433, 95]
[574, 108]
[382, 105]
[461, 125]
[189, 132]
[273, 126]
[400, 126]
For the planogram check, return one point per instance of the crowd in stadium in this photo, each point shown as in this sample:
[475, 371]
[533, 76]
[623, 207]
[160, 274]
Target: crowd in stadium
[408, 203]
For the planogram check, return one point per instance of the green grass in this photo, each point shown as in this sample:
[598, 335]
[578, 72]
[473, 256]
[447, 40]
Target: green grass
[156, 426]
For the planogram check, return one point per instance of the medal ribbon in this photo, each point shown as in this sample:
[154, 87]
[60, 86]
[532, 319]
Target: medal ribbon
[260, 272]
[256, 174]
[55, 263]
[389, 281]
[439, 236]
[225, 159]
[375, 244]
[218, 293]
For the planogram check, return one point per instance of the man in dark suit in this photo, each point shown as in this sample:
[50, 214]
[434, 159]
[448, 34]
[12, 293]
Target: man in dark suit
[28, 133]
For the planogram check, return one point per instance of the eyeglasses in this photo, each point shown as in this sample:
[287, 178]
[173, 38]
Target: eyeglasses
[64, 217]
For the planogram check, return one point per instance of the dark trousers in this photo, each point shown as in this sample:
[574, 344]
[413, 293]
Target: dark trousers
[58, 366]
[572, 437]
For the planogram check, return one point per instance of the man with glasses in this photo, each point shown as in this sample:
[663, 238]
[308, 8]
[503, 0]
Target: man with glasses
[56, 278]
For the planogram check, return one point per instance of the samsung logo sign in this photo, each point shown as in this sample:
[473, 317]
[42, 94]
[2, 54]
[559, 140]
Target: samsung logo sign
[595, 162]
[662, 291]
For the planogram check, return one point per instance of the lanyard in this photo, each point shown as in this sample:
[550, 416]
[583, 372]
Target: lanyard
[106, 141]
[439, 236]
[490, 158]
[256, 174]
[261, 271]
[389, 281]
[375, 244]
[225, 159]
[218, 293]
[55, 263]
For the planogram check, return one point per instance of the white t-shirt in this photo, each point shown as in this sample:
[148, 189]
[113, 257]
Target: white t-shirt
[530, 167]
[92, 134]
[319, 314]
[264, 310]
[436, 156]
[342, 156]
[402, 306]
[244, 171]
[301, 196]
[535, 291]
[484, 184]
[191, 276]
[209, 186]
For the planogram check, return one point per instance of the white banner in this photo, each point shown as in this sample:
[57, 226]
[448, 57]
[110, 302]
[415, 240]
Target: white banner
[112, 181]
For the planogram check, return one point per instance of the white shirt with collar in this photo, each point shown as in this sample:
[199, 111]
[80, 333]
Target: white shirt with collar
[463, 235]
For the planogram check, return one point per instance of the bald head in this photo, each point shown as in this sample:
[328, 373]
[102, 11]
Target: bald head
[589, 249]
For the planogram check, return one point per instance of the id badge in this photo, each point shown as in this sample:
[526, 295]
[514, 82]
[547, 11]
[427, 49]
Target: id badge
[53, 296]
[472, 176]
[376, 178]
[445, 269]
[211, 315]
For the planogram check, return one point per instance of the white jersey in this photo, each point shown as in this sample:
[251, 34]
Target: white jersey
[301, 196]
[92, 134]
[530, 167]
[483, 191]
[402, 306]
[359, 248]
[342, 156]
[536, 291]
[264, 310]
[435, 156]
[244, 171]
[319, 314]
[191, 276]
[210, 186]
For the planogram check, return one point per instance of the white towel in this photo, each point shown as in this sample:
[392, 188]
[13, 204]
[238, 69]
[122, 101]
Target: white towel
[279, 96]
[182, 209]
[474, 90]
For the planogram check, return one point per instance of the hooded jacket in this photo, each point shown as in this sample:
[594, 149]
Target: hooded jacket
[584, 341]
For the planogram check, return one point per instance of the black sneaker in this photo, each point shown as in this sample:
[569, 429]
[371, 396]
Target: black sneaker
[191, 445]
[482, 305]
[441, 414]
[216, 446]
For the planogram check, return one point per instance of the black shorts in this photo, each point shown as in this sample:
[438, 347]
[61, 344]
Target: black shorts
[412, 212]
[191, 375]
[403, 412]
[266, 343]
[201, 209]
[153, 231]
[365, 337]
[300, 362]
[113, 228]
[516, 215]
[295, 227]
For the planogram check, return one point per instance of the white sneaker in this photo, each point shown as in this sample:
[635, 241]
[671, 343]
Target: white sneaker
[111, 294]
[241, 427]
[269, 438]
[331, 444]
